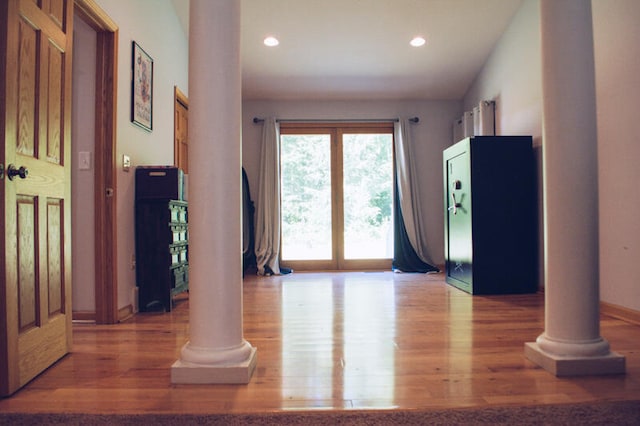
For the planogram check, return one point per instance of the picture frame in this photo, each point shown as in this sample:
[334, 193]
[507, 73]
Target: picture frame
[141, 87]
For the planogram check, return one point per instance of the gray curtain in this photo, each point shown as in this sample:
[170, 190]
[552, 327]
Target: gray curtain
[408, 194]
[268, 208]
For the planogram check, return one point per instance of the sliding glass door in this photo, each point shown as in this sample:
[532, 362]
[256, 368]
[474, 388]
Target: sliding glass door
[306, 197]
[337, 196]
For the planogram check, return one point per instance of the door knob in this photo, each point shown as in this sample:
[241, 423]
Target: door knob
[21, 172]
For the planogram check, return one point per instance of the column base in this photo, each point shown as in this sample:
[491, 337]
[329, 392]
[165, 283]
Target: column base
[184, 372]
[611, 363]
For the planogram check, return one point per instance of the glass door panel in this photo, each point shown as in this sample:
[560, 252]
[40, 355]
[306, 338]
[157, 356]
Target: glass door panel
[306, 197]
[367, 169]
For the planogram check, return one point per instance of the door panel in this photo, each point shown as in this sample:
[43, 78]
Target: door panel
[35, 294]
[26, 253]
[27, 68]
[55, 10]
[459, 219]
[56, 293]
[308, 211]
[367, 170]
[54, 108]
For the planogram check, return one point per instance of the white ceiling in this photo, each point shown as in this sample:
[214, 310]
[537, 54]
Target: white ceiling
[359, 49]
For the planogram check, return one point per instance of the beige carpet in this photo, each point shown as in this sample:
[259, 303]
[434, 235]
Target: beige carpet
[602, 413]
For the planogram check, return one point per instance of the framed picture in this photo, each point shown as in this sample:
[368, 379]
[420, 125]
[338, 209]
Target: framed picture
[141, 88]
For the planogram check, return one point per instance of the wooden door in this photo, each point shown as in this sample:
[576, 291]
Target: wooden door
[181, 134]
[35, 245]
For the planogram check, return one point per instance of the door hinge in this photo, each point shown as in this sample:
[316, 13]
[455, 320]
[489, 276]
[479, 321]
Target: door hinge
[1, 171]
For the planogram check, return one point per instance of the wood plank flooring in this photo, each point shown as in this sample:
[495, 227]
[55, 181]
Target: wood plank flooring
[333, 341]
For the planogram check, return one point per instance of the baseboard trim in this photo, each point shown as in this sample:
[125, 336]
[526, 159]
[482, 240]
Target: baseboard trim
[610, 309]
[83, 316]
[125, 313]
[620, 312]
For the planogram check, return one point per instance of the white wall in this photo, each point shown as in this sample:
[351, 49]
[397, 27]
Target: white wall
[82, 181]
[512, 76]
[431, 135]
[617, 53]
[154, 25]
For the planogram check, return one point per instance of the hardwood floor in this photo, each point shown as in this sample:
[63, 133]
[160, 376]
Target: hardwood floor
[333, 342]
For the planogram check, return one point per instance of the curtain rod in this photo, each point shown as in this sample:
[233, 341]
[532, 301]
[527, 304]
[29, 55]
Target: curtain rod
[364, 120]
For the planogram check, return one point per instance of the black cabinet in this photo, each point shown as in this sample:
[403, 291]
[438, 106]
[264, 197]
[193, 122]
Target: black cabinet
[162, 261]
[490, 220]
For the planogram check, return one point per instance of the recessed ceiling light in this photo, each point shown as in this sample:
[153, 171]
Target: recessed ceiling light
[271, 41]
[417, 41]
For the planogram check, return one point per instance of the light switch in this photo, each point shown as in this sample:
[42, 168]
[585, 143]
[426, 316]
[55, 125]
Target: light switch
[126, 163]
[84, 160]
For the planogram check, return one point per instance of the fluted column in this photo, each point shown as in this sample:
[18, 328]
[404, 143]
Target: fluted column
[571, 343]
[216, 351]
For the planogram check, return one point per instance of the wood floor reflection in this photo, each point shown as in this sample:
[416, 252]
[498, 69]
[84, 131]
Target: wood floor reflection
[333, 341]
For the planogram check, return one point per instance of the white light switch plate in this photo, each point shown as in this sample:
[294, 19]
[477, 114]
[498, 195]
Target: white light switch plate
[84, 160]
[126, 163]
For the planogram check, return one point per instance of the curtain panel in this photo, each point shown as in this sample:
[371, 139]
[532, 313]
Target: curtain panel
[268, 208]
[410, 249]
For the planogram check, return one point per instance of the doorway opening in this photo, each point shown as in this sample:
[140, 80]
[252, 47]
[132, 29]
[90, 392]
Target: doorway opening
[104, 165]
[337, 192]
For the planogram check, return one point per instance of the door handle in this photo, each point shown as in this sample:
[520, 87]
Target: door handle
[454, 205]
[21, 172]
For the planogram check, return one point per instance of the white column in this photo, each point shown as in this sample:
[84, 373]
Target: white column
[216, 351]
[571, 343]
